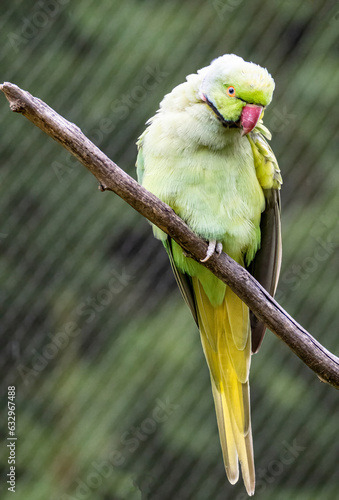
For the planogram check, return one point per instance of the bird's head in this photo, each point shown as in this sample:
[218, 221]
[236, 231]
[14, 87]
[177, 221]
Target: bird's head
[237, 91]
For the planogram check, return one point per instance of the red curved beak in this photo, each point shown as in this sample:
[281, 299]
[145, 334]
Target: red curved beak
[249, 117]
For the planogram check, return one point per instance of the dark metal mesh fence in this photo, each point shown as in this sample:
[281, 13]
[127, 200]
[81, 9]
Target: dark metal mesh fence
[113, 394]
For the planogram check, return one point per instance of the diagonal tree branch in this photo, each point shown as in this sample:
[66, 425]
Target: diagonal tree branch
[112, 178]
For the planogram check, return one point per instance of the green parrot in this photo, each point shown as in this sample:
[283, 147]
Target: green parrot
[204, 153]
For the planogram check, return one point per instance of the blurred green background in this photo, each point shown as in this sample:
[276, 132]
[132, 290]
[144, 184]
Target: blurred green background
[113, 395]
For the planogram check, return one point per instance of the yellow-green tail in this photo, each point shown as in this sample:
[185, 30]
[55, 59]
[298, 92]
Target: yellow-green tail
[226, 339]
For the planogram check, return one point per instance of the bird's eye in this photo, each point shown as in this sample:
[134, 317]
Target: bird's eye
[230, 91]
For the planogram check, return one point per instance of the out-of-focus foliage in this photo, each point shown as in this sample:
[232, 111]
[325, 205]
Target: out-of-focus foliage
[113, 398]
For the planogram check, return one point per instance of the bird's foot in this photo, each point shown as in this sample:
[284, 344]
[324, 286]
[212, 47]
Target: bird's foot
[218, 248]
[213, 246]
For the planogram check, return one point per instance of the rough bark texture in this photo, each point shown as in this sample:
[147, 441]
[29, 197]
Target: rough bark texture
[112, 178]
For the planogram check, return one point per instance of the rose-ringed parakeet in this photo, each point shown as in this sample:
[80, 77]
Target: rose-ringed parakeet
[204, 154]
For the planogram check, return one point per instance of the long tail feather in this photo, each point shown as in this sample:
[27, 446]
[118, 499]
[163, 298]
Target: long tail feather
[228, 445]
[226, 340]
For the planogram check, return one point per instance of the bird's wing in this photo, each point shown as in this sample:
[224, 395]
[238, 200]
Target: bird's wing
[183, 280]
[265, 266]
